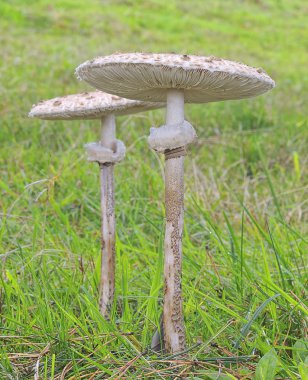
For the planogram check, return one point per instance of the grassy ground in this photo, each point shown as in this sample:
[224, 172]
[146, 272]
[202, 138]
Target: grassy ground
[245, 234]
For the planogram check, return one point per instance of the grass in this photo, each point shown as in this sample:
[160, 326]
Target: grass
[245, 238]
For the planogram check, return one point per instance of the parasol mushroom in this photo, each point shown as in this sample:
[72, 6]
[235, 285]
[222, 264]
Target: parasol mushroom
[107, 152]
[173, 79]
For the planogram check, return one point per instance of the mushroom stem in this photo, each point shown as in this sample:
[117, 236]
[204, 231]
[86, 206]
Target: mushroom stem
[107, 281]
[108, 132]
[173, 322]
[175, 107]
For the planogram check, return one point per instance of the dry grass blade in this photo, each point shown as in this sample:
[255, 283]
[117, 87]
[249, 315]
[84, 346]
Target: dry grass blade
[126, 367]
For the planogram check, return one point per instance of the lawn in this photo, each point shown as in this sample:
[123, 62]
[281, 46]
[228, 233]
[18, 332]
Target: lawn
[246, 211]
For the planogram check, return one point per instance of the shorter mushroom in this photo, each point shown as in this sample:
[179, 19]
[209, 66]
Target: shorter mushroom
[107, 152]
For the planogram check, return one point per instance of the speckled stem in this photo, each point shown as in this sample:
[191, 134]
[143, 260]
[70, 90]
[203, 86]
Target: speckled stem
[173, 322]
[106, 288]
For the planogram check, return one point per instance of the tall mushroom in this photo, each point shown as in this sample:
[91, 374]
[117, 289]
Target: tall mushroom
[174, 79]
[107, 152]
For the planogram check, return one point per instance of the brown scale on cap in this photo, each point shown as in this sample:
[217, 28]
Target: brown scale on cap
[116, 98]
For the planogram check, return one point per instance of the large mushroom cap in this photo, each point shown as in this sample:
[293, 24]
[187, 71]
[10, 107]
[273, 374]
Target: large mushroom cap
[88, 105]
[147, 77]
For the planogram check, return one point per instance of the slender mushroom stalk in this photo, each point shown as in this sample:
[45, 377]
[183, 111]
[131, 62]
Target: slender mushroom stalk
[157, 77]
[107, 152]
[174, 335]
[107, 282]
[171, 139]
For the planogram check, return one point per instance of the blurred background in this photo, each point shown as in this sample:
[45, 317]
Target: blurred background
[250, 152]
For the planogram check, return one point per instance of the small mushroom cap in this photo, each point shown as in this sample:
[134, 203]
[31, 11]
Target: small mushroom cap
[88, 105]
[148, 76]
